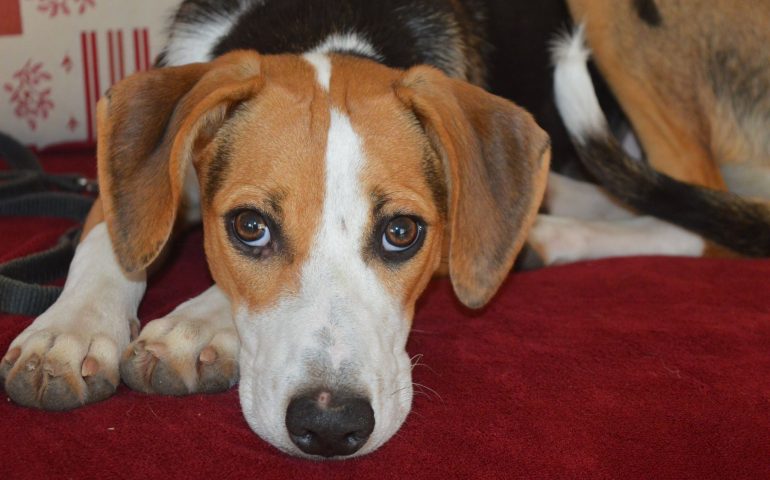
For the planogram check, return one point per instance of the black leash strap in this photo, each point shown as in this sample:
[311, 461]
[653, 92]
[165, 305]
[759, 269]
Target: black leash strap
[26, 190]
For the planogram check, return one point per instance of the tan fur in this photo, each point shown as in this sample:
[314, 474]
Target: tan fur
[149, 128]
[496, 175]
[664, 78]
[277, 146]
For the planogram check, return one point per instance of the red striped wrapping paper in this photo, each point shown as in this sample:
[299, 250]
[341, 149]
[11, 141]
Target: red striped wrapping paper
[60, 56]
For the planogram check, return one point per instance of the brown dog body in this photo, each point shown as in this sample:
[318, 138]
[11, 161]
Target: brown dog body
[693, 79]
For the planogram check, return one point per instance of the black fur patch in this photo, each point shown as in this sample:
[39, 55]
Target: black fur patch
[722, 217]
[648, 12]
[403, 32]
[217, 171]
[435, 177]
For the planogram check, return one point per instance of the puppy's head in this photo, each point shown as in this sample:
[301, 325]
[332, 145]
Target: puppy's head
[332, 188]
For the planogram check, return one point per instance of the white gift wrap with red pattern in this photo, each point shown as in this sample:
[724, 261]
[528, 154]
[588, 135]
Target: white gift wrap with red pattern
[57, 57]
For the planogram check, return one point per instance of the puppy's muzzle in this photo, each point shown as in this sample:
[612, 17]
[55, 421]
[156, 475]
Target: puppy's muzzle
[329, 423]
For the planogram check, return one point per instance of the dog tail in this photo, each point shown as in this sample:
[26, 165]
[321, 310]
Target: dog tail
[724, 218]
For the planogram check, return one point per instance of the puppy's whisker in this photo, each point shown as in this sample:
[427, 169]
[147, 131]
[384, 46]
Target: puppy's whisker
[423, 394]
[399, 390]
[416, 361]
[420, 385]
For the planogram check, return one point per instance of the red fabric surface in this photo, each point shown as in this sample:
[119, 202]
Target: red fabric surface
[633, 368]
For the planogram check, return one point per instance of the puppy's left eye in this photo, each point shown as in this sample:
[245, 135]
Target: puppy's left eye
[400, 238]
[251, 229]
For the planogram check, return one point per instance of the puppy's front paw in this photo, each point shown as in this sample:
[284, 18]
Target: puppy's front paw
[57, 369]
[194, 349]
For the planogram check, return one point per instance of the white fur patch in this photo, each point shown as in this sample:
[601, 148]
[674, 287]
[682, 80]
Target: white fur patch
[752, 181]
[342, 329]
[631, 145]
[194, 42]
[323, 68]
[561, 240]
[97, 302]
[347, 42]
[96, 281]
[565, 197]
[574, 91]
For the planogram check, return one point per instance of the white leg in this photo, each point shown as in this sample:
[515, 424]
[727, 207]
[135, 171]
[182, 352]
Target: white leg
[752, 181]
[69, 355]
[565, 197]
[193, 349]
[559, 240]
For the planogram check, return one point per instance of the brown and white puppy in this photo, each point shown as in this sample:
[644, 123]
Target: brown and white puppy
[331, 187]
[693, 77]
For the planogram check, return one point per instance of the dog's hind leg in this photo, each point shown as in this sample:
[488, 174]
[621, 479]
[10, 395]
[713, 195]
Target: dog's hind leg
[559, 240]
[750, 181]
[565, 197]
[69, 355]
[192, 349]
[584, 222]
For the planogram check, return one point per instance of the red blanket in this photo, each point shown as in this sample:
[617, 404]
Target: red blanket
[634, 368]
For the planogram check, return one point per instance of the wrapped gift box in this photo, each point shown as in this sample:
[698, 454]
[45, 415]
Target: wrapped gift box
[60, 56]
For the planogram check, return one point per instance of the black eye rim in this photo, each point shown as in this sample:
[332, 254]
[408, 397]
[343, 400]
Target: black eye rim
[399, 256]
[273, 245]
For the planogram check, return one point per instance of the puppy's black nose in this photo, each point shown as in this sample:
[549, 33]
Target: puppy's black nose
[329, 424]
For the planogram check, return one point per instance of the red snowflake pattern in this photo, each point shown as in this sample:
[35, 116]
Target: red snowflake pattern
[54, 8]
[29, 94]
[66, 63]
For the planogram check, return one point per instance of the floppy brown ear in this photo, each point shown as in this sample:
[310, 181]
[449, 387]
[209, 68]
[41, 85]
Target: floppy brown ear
[149, 127]
[496, 160]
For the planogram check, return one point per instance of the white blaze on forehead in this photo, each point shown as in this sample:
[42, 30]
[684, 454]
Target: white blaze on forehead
[323, 68]
[336, 266]
[346, 207]
[347, 42]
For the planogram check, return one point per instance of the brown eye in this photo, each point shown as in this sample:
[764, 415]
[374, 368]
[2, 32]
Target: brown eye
[250, 228]
[400, 234]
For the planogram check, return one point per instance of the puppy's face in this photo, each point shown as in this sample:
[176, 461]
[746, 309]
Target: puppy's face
[322, 214]
[331, 190]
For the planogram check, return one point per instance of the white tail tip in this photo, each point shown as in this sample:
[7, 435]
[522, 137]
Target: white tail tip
[573, 88]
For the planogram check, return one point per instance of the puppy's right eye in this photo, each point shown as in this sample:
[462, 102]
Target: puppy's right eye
[250, 228]
[400, 234]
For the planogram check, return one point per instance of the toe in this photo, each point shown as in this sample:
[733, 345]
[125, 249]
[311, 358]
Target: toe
[8, 362]
[166, 380]
[100, 387]
[24, 381]
[216, 373]
[62, 392]
[136, 367]
[148, 368]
